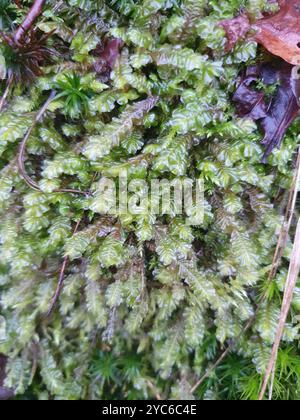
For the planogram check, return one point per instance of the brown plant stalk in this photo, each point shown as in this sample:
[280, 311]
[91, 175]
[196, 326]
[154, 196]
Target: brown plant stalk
[281, 244]
[63, 269]
[61, 278]
[283, 237]
[22, 153]
[34, 12]
[291, 282]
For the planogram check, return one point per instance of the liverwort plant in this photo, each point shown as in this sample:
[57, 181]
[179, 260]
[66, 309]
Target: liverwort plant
[138, 222]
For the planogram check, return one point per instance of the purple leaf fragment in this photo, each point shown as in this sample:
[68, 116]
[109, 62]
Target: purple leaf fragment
[275, 113]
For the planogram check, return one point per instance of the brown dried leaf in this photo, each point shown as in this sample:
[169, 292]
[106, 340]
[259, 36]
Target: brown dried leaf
[279, 34]
[236, 29]
[250, 102]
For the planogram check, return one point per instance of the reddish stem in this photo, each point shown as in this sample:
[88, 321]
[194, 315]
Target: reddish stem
[34, 12]
[18, 3]
[22, 152]
[61, 278]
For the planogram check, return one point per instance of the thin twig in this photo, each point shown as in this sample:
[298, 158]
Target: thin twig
[283, 237]
[63, 268]
[154, 390]
[6, 92]
[282, 240]
[210, 370]
[291, 282]
[272, 383]
[34, 12]
[22, 153]
[61, 278]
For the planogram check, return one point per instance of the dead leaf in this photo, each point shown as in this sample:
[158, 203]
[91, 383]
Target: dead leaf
[279, 34]
[249, 101]
[275, 113]
[236, 29]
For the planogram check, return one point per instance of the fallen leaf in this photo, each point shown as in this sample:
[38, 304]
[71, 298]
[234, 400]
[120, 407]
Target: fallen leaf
[279, 33]
[250, 102]
[275, 113]
[236, 29]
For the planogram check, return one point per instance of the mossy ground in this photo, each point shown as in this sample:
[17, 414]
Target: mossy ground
[148, 302]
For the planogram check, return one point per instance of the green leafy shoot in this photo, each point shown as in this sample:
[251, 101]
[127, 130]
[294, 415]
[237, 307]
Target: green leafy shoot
[76, 96]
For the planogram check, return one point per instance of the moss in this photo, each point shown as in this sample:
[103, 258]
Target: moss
[148, 301]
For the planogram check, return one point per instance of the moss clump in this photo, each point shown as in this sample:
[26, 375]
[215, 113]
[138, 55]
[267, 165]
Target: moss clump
[148, 301]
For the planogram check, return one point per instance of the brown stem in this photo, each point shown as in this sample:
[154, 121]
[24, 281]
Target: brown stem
[62, 271]
[61, 278]
[291, 282]
[154, 390]
[289, 215]
[209, 372]
[34, 12]
[281, 244]
[22, 153]
[6, 92]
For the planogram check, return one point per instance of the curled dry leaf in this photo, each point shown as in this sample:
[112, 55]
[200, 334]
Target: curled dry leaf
[275, 112]
[279, 34]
